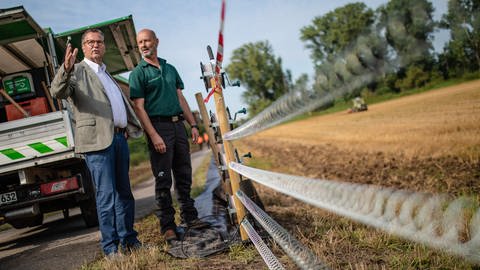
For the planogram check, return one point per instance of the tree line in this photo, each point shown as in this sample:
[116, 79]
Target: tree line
[408, 28]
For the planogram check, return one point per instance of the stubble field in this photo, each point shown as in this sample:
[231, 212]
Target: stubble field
[426, 142]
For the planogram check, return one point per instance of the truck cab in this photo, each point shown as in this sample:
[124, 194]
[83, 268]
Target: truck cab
[39, 169]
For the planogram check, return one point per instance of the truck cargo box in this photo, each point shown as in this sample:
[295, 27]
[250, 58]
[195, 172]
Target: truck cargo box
[35, 140]
[35, 106]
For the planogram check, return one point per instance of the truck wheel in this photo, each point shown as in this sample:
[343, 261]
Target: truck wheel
[89, 212]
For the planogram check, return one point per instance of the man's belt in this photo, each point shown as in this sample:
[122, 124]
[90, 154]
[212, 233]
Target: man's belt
[119, 130]
[172, 119]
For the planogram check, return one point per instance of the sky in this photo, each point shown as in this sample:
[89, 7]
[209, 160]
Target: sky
[186, 27]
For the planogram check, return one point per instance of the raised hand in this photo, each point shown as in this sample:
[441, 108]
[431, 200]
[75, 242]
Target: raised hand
[70, 58]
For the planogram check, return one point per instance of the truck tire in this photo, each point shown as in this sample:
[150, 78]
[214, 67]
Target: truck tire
[89, 212]
[88, 207]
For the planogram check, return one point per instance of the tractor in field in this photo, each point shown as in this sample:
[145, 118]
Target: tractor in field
[359, 105]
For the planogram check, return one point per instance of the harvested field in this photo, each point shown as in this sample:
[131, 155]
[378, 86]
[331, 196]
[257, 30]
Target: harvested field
[425, 142]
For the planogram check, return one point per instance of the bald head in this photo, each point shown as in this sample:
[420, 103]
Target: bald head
[147, 31]
[147, 43]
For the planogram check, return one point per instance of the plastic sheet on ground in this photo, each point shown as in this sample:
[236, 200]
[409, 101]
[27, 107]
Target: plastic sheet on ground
[212, 209]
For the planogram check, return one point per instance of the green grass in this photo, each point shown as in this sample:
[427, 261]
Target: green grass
[242, 253]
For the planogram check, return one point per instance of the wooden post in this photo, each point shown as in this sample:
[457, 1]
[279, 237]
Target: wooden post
[60, 104]
[208, 127]
[229, 152]
[17, 106]
[49, 96]
[211, 139]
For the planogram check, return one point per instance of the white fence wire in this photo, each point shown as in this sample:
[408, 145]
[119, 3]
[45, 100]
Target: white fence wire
[268, 257]
[291, 105]
[303, 257]
[436, 220]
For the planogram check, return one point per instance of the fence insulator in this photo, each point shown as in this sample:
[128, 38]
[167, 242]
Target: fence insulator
[436, 220]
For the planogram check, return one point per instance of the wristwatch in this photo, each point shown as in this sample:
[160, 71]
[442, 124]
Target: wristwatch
[194, 126]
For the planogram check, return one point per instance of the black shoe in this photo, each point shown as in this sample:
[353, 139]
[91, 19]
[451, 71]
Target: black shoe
[170, 235]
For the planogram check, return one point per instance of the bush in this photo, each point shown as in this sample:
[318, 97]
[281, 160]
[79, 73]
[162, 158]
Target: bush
[471, 76]
[386, 85]
[415, 77]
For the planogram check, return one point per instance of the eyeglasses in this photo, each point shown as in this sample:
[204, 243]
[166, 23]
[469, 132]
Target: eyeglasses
[92, 43]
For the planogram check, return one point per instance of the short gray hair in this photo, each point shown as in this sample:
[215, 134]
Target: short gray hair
[92, 30]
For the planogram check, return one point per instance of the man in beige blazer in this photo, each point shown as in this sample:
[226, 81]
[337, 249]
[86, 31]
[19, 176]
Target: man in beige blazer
[103, 120]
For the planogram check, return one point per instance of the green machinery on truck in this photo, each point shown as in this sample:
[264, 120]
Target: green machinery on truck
[39, 169]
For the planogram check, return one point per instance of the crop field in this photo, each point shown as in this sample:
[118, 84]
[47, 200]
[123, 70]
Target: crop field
[428, 142]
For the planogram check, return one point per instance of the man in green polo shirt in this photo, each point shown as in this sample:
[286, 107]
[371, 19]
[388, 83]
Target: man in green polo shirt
[156, 89]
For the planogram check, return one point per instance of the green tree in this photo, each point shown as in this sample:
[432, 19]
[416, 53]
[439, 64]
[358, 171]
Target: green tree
[333, 32]
[261, 73]
[301, 83]
[409, 26]
[462, 53]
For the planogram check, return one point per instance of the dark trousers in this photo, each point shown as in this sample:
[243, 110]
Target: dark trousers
[177, 160]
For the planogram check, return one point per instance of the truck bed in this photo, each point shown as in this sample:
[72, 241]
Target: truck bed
[35, 140]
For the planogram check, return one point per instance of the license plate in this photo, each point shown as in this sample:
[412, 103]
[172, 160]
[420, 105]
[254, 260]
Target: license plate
[9, 197]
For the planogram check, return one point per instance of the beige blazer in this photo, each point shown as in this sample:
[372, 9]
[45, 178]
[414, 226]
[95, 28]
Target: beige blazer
[93, 118]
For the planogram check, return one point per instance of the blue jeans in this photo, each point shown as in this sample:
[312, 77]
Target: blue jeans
[115, 202]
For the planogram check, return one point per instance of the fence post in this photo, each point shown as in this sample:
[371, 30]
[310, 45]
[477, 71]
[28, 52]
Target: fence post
[211, 139]
[229, 152]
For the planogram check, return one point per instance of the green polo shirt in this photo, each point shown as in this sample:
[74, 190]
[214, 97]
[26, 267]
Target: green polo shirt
[158, 87]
